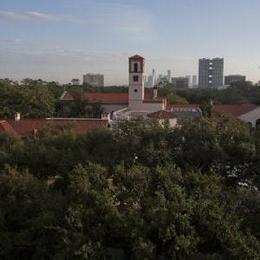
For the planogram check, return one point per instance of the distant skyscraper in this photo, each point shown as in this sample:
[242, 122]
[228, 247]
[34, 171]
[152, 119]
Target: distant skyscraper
[169, 75]
[153, 73]
[149, 83]
[188, 77]
[194, 81]
[211, 73]
[96, 80]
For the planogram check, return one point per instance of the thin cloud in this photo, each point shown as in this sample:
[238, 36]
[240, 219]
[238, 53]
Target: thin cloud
[127, 20]
[27, 16]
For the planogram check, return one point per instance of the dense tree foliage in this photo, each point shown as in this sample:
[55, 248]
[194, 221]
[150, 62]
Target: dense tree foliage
[236, 94]
[138, 191]
[31, 98]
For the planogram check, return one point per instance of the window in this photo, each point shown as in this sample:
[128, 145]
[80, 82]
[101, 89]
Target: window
[135, 90]
[135, 78]
[135, 67]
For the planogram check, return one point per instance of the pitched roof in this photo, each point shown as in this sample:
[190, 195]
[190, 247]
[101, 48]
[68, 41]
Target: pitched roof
[235, 110]
[188, 106]
[27, 127]
[162, 114]
[136, 57]
[6, 128]
[108, 98]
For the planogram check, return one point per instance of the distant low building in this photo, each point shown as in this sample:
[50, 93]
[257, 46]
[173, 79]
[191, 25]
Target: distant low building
[75, 82]
[96, 80]
[234, 78]
[181, 82]
[185, 110]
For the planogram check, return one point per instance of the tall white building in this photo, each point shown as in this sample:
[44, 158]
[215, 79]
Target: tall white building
[169, 76]
[136, 81]
[194, 81]
[136, 98]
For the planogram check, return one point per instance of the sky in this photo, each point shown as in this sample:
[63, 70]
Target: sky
[63, 39]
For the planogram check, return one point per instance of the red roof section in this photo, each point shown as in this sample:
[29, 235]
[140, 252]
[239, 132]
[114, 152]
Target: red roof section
[171, 106]
[109, 98]
[162, 114]
[235, 110]
[6, 128]
[28, 127]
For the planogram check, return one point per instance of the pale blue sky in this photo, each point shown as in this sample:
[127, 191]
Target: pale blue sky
[63, 39]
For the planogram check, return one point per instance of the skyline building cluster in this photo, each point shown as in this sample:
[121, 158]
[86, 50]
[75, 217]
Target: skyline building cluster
[189, 81]
[210, 76]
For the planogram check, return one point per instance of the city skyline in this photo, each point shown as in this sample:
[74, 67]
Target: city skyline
[58, 40]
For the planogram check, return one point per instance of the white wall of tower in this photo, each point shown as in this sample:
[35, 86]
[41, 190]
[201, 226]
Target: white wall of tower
[136, 84]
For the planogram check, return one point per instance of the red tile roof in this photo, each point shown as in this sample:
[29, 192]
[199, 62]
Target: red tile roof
[235, 110]
[107, 98]
[171, 106]
[27, 127]
[162, 114]
[6, 128]
[152, 101]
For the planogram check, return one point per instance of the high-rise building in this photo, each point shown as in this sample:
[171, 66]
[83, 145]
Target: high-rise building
[234, 78]
[96, 80]
[169, 75]
[211, 73]
[149, 82]
[188, 77]
[194, 81]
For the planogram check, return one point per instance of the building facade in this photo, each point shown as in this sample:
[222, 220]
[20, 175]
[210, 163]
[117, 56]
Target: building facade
[136, 93]
[194, 81]
[211, 73]
[234, 78]
[96, 80]
[75, 82]
[181, 82]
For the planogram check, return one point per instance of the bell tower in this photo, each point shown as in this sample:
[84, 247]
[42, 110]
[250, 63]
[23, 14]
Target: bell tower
[136, 82]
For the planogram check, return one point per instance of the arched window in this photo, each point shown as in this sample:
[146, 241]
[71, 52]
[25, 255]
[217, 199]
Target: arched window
[135, 67]
[135, 78]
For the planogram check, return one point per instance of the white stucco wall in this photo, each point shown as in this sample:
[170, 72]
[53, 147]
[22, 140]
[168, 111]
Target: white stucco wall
[112, 107]
[251, 117]
[146, 107]
[172, 122]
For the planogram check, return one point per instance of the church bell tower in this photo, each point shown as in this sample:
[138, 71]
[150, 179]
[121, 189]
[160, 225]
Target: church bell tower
[136, 82]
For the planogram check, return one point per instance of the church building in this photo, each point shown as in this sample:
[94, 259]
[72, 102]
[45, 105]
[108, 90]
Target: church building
[136, 93]
[137, 102]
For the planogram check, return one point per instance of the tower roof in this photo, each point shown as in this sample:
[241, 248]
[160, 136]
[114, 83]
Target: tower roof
[136, 57]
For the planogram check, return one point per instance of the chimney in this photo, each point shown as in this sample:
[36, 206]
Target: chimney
[17, 116]
[105, 115]
[155, 92]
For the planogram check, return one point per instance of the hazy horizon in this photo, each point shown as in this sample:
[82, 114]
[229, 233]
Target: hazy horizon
[61, 39]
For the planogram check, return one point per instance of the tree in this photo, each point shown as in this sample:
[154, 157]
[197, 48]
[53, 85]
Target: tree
[28, 99]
